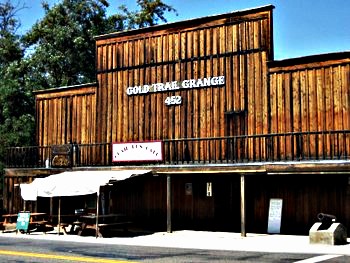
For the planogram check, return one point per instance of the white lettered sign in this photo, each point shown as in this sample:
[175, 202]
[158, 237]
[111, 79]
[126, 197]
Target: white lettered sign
[216, 81]
[176, 85]
[137, 151]
[275, 215]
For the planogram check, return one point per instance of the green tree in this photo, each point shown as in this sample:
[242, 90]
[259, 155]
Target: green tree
[16, 102]
[149, 14]
[63, 41]
[10, 47]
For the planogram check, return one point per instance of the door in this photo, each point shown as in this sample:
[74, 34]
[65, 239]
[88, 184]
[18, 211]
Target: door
[236, 132]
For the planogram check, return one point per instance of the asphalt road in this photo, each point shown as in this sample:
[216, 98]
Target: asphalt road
[28, 250]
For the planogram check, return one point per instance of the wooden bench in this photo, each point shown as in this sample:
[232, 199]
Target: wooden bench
[114, 225]
[9, 223]
[121, 224]
[37, 225]
[8, 227]
[42, 222]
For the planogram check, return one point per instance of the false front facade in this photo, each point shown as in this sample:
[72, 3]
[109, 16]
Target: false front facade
[224, 128]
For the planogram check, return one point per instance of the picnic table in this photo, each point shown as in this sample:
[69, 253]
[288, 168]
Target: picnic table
[64, 222]
[9, 222]
[104, 222]
[36, 221]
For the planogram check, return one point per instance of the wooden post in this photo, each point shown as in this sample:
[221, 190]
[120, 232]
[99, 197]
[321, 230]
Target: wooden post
[59, 216]
[51, 207]
[168, 203]
[97, 208]
[243, 232]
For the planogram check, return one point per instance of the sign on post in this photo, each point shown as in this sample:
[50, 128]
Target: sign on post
[23, 219]
[275, 215]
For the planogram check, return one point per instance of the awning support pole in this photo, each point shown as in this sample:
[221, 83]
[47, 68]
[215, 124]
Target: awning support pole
[97, 208]
[51, 207]
[243, 208]
[168, 203]
[59, 216]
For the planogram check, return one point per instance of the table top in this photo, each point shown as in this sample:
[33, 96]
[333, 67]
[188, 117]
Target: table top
[92, 216]
[38, 214]
[10, 215]
[32, 214]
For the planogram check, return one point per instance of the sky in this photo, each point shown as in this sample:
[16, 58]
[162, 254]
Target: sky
[300, 27]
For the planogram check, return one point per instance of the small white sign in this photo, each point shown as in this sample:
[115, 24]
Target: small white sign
[209, 189]
[275, 215]
[137, 151]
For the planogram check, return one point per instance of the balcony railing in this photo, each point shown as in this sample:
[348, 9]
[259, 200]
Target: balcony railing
[293, 146]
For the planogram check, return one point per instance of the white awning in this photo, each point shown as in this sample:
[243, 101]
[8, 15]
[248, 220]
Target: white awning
[74, 183]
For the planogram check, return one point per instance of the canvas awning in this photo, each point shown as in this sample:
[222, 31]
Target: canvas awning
[74, 183]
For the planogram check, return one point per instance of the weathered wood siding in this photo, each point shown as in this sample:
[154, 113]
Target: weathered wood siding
[66, 115]
[311, 94]
[233, 45]
[304, 196]
[144, 200]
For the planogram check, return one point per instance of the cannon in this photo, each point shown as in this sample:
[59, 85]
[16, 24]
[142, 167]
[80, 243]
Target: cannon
[326, 218]
[327, 231]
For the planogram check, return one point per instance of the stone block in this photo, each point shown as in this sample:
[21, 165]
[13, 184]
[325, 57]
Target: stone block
[336, 234]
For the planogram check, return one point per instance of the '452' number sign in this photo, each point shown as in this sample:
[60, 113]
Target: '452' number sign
[173, 100]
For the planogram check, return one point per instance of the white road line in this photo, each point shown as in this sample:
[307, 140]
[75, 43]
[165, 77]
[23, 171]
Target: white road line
[318, 259]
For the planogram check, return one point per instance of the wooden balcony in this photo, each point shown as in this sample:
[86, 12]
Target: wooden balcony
[294, 146]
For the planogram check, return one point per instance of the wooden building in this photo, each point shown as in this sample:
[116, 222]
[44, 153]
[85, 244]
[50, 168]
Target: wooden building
[223, 127]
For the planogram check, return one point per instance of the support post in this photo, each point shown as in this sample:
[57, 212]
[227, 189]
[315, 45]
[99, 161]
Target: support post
[243, 208]
[51, 207]
[97, 208]
[168, 203]
[59, 216]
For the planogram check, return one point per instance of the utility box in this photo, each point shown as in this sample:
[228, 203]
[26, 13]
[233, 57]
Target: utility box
[328, 232]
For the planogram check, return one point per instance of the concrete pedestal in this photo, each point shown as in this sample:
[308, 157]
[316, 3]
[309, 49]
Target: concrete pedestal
[336, 234]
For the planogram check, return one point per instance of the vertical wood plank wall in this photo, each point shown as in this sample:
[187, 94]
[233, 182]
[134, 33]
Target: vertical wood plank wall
[258, 97]
[310, 97]
[66, 116]
[236, 46]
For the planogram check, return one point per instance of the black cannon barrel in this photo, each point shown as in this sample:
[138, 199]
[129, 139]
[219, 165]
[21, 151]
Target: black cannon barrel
[322, 217]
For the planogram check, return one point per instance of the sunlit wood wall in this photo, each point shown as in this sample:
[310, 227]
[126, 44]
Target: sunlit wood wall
[312, 94]
[66, 115]
[235, 46]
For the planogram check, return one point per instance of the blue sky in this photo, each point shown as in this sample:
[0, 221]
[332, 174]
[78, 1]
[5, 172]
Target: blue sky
[301, 27]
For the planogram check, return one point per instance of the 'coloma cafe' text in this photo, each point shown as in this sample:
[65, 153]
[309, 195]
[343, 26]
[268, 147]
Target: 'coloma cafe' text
[176, 85]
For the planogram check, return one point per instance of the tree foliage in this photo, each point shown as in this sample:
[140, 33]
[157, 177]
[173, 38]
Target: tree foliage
[149, 14]
[16, 100]
[10, 49]
[63, 41]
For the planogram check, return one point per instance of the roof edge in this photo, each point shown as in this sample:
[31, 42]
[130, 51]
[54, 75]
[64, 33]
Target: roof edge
[309, 59]
[182, 22]
[64, 88]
